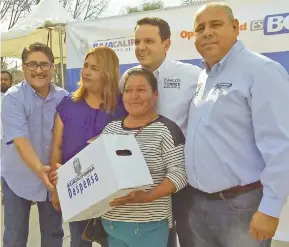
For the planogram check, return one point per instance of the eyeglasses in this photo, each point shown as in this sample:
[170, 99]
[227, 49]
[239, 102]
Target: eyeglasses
[34, 66]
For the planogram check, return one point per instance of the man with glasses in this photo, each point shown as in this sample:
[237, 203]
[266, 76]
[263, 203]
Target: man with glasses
[28, 111]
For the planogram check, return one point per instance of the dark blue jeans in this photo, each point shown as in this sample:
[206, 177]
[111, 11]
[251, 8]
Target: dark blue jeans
[205, 222]
[76, 230]
[16, 221]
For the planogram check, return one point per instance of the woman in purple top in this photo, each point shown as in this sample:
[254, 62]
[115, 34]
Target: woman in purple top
[83, 115]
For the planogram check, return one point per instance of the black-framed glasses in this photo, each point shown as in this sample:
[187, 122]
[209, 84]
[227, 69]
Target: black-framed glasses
[43, 66]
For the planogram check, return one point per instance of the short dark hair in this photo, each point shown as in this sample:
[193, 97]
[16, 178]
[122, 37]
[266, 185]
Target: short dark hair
[8, 73]
[151, 79]
[37, 47]
[165, 31]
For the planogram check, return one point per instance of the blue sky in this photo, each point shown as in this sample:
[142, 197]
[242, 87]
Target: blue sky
[117, 6]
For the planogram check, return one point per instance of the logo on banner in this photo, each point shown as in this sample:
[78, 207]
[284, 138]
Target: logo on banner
[276, 24]
[189, 34]
[83, 47]
[272, 24]
[117, 44]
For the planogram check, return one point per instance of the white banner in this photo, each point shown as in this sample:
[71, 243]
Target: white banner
[264, 28]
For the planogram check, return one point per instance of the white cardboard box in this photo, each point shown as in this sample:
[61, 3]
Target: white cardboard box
[89, 181]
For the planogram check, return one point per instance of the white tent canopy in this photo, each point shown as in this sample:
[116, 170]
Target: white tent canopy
[41, 26]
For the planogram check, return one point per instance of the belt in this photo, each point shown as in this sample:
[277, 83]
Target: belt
[235, 191]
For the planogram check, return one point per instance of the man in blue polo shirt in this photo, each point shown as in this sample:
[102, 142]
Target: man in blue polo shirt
[28, 110]
[237, 143]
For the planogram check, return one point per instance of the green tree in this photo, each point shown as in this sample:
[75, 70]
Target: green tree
[157, 4]
[4, 65]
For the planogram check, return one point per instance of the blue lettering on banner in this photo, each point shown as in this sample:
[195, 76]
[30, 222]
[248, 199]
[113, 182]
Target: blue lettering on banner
[118, 44]
[80, 183]
[276, 24]
[115, 43]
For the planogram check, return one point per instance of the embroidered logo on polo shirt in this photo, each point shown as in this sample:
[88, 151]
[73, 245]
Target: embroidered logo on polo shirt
[222, 87]
[172, 83]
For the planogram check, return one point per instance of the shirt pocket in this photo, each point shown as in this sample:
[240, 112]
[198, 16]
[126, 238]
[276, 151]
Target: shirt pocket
[34, 117]
[220, 103]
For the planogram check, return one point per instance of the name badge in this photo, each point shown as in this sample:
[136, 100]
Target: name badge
[172, 83]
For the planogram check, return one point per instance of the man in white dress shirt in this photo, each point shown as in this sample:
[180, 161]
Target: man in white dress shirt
[177, 83]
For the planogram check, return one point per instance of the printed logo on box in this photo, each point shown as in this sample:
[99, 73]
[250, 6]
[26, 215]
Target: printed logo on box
[276, 24]
[82, 181]
[77, 166]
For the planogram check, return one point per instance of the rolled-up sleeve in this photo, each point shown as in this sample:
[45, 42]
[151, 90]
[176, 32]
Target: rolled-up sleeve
[269, 105]
[13, 118]
[174, 160]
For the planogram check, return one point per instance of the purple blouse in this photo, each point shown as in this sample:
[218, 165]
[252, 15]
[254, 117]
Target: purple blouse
[81, 123]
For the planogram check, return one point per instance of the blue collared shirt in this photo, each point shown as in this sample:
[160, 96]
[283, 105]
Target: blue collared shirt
[238, 128]
[26, 114]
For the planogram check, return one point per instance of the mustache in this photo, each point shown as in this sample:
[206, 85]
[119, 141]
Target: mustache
[39, 75]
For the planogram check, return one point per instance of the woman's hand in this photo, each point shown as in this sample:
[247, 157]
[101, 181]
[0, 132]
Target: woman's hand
[165, 188]
[55, 201]
[133, 197]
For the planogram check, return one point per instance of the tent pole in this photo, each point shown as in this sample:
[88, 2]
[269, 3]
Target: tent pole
[50, 44]
[61, 56]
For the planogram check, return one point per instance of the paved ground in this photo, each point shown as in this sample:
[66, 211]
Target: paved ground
[280, 244]
[34, 236]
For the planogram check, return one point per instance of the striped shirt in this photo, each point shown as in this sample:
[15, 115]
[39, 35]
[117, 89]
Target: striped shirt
[162, 145]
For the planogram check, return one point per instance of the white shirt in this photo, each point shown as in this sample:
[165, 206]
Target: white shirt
[177, 84]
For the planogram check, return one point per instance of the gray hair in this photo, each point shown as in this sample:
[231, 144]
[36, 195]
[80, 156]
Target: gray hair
[220, 5]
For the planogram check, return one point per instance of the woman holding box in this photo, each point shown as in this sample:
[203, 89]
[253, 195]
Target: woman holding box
[83, 115]
[143, 218]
